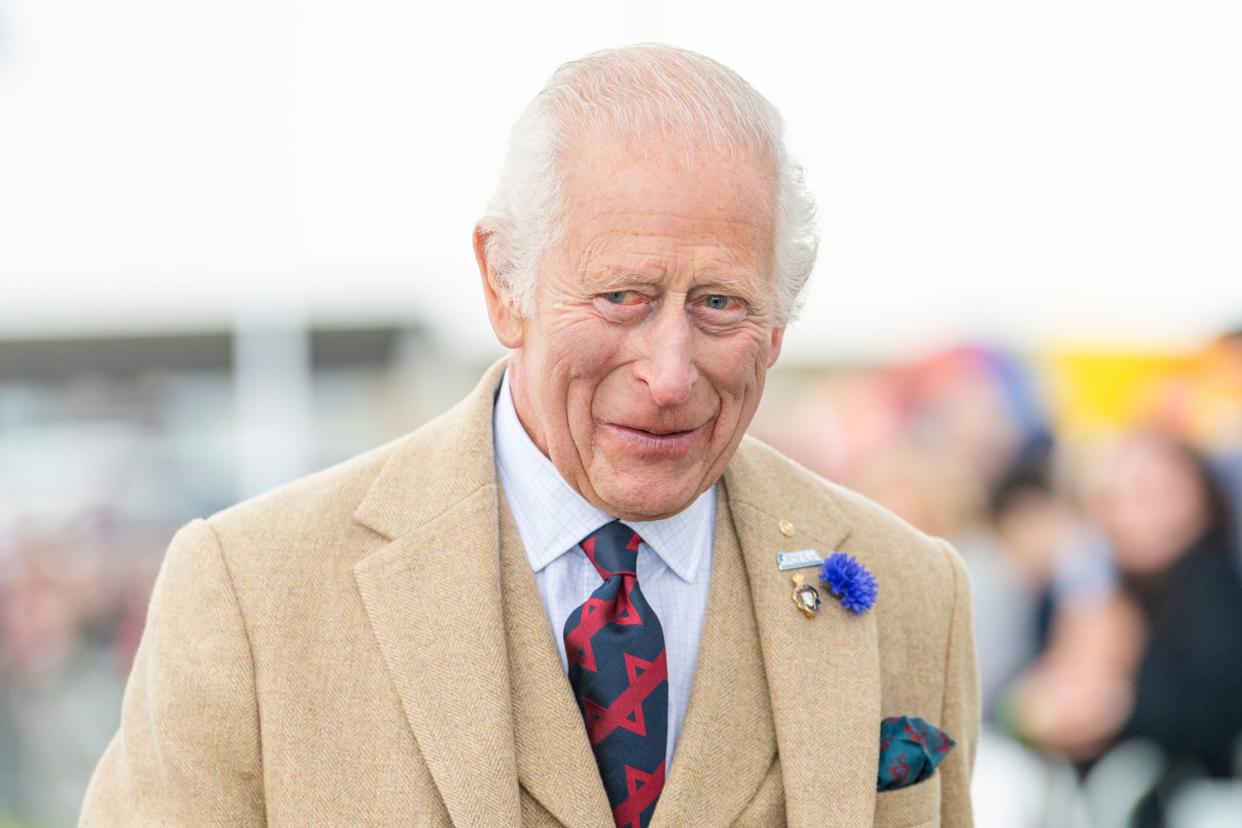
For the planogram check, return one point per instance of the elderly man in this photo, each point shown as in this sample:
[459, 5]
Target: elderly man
[582, 596]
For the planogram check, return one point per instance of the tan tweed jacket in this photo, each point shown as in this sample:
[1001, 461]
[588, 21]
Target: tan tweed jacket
[366, 646]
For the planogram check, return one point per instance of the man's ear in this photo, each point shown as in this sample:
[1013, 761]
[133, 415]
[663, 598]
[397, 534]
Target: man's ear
[508, 324]
[778, 338]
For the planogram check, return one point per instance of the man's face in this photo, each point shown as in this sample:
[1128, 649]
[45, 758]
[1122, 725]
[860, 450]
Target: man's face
[643, 361]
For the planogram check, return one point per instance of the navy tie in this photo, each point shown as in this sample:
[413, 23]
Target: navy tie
[619, 673]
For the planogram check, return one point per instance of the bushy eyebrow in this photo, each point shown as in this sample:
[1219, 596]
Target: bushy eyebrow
[613, 278]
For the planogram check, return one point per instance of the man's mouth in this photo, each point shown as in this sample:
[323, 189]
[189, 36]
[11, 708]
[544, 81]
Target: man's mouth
[656, 439]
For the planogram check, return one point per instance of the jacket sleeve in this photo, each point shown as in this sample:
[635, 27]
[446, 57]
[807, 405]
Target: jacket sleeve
[187, 750]
[960, 715]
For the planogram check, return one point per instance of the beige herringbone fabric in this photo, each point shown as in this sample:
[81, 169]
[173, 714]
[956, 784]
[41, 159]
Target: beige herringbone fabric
[362, 647]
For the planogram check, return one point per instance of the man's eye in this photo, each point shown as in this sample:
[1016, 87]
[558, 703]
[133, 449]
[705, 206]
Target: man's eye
[621, 297]
[717, 301]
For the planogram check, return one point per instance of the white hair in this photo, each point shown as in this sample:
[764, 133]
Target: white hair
[638, 90]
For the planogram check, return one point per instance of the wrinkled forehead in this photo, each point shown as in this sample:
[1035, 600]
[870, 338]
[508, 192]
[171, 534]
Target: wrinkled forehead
[671, 187]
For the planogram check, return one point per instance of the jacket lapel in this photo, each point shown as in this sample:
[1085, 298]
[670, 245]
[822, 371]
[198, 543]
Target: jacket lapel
[554, 758]
[727, 742]
[432, 596]
[823, 674]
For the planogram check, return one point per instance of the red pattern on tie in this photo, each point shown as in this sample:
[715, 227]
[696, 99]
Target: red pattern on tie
[618, 669]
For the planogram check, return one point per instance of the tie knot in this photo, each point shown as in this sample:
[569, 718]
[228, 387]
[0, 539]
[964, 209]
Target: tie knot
[613, 549]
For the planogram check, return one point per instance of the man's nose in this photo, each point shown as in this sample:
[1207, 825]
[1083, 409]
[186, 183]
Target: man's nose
[667, 365]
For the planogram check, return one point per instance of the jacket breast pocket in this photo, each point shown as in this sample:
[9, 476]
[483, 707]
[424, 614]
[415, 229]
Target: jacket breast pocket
[914, 806]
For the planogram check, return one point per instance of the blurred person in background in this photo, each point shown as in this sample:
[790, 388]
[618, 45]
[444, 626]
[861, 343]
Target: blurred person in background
[1031, 555]
[1216, 417]
[57, 672]
[922, 486]
[975, 406]
[1160, 659]
[469, 624]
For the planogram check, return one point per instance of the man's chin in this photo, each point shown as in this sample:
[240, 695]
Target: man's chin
[644, 499]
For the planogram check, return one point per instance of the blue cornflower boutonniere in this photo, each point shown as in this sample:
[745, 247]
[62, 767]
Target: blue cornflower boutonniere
[850, 581]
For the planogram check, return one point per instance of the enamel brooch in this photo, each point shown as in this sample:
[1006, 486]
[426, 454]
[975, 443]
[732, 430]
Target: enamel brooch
[805, 596]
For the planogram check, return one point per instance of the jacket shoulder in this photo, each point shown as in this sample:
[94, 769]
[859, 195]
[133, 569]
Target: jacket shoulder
[305, 504]
[905, 560]
[776, 482]
[335, 516]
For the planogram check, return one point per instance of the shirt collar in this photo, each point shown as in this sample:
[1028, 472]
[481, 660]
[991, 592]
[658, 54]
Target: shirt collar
[552, 517]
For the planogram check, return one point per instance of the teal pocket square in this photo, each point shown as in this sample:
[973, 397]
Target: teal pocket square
[910, 750]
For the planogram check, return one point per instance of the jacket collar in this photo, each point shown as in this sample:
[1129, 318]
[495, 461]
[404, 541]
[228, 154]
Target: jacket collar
[434, 468]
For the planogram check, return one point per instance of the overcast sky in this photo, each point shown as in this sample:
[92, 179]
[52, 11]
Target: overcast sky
[1060, 171]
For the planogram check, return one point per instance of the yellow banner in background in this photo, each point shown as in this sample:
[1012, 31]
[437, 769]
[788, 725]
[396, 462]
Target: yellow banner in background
[1098, 393]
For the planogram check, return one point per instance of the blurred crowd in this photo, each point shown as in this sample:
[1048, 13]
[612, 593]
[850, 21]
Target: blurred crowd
[1094, 496]
[1095, 499]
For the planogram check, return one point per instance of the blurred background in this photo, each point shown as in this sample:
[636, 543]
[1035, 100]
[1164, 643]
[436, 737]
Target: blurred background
[235, 248]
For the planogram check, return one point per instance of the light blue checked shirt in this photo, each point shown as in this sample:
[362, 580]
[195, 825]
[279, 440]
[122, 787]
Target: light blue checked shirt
[674, 560]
